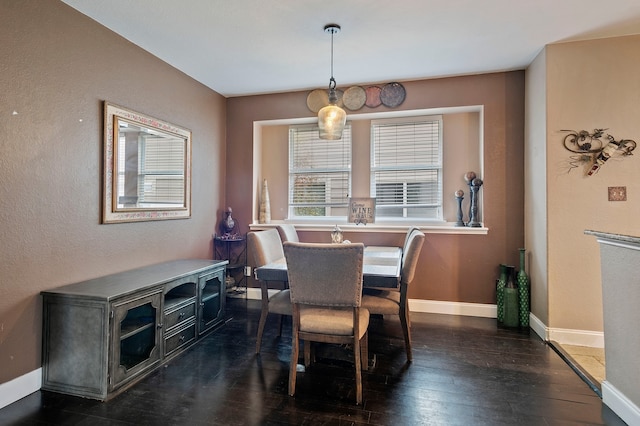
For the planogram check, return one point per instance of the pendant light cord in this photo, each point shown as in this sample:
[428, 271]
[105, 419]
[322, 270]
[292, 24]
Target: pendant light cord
[332, 81]
[332, 29]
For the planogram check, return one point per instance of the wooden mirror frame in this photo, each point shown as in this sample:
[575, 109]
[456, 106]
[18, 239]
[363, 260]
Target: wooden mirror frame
[114, 211]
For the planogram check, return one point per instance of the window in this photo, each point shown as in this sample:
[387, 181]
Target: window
[319, 173]
[406, 167]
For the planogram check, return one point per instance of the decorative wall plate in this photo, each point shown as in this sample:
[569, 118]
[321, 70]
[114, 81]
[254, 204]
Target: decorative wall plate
[319, 98]
[392, 94]
[354, 98]
[373, 96]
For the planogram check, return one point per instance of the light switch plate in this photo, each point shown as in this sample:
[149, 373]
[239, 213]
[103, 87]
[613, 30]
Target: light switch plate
[617, 193]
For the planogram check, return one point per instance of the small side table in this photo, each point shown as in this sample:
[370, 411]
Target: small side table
[234, 249]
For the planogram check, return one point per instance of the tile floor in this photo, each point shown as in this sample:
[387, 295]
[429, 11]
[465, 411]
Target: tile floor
[587, 362]
[591, 359]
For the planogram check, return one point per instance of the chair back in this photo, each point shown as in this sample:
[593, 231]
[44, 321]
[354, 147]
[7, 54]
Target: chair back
[410, 256]
[265, 246]
[325, 274]
[410, 231]
[288, 233]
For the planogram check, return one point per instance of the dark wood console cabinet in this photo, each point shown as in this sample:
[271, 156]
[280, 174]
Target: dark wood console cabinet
[102, 335]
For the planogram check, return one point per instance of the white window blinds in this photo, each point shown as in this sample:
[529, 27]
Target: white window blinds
[161, 178]
[159, 162]
[406, 167]
[319, 173]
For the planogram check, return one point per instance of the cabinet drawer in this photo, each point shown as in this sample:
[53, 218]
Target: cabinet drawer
[181, 338]
[180, 315]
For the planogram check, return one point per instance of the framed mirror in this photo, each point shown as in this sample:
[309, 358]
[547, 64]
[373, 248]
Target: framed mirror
[147, 168]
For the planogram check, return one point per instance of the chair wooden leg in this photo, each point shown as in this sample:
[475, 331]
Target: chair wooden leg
[263, 316]
[364, 351]
[405, 322]
[293, 363]
[358, 363]
[307, 353]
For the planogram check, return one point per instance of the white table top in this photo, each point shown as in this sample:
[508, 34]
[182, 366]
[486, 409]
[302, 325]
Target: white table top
[381, 268]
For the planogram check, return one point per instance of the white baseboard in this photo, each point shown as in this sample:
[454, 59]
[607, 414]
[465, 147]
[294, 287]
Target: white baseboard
[453, 308]
[620, 404]
[419, 305]
[539, 327]
[20, 387]
[592, 339]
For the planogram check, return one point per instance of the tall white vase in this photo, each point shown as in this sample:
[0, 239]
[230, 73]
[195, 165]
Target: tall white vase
[265, 204]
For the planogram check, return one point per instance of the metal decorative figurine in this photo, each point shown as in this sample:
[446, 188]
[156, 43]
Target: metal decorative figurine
[469, 177]
[459, 197]
[589, 148]
[474, 186]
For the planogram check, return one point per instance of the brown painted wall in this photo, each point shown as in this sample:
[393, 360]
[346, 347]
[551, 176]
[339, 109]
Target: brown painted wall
[57, 67]
[452, 267]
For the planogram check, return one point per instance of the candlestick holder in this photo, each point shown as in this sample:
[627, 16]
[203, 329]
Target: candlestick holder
[459, 194]
[473, 218]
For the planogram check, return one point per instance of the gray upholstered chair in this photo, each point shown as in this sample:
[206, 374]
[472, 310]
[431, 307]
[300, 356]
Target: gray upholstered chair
[326, 292]
[266, 247]
[288, 233]
[410, 231]
[394, 302]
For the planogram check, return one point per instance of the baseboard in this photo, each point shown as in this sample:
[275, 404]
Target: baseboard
[592, 339]
[453, 308]
[539, 327]
[620, 404]
[419, 305]
[20, 387]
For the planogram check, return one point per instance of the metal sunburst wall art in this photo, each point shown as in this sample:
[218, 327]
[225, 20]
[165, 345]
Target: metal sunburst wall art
[594, 149]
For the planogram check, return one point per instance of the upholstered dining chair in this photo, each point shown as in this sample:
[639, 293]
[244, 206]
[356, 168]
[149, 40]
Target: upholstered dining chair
[288, 233]
[410, 231]
[326, 291]
[266, 247]
[394, 302]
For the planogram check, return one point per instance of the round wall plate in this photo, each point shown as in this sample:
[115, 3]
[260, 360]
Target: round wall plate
[319, 98]
[373, 96]
[354, 98]
[392, 94]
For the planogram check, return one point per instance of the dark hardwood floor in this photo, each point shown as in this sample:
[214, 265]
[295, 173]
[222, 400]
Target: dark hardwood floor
[465, 372]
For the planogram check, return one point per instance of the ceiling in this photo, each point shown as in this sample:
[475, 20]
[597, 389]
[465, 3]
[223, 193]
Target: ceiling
[247, 47]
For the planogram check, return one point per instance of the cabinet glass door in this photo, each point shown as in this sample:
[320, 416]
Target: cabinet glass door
[212, 299]
[135, 338]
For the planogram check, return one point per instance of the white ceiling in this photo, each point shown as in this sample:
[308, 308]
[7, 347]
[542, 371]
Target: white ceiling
[245, 47]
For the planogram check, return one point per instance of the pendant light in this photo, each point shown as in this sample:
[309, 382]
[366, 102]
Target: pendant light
[331, 118]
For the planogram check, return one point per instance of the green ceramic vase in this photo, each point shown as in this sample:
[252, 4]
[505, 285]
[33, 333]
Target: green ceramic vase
[523, 291]
[501, 282]
[511, 306]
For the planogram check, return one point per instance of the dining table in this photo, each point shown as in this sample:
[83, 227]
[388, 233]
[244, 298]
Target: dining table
[381, 268]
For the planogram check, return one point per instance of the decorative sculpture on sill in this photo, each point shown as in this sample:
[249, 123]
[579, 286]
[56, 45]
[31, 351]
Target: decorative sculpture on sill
[592, 151]
[459, 194]
[265, 204]
[474, 187]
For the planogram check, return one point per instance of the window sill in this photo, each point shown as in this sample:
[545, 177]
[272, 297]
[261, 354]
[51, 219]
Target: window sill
[444, 228]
